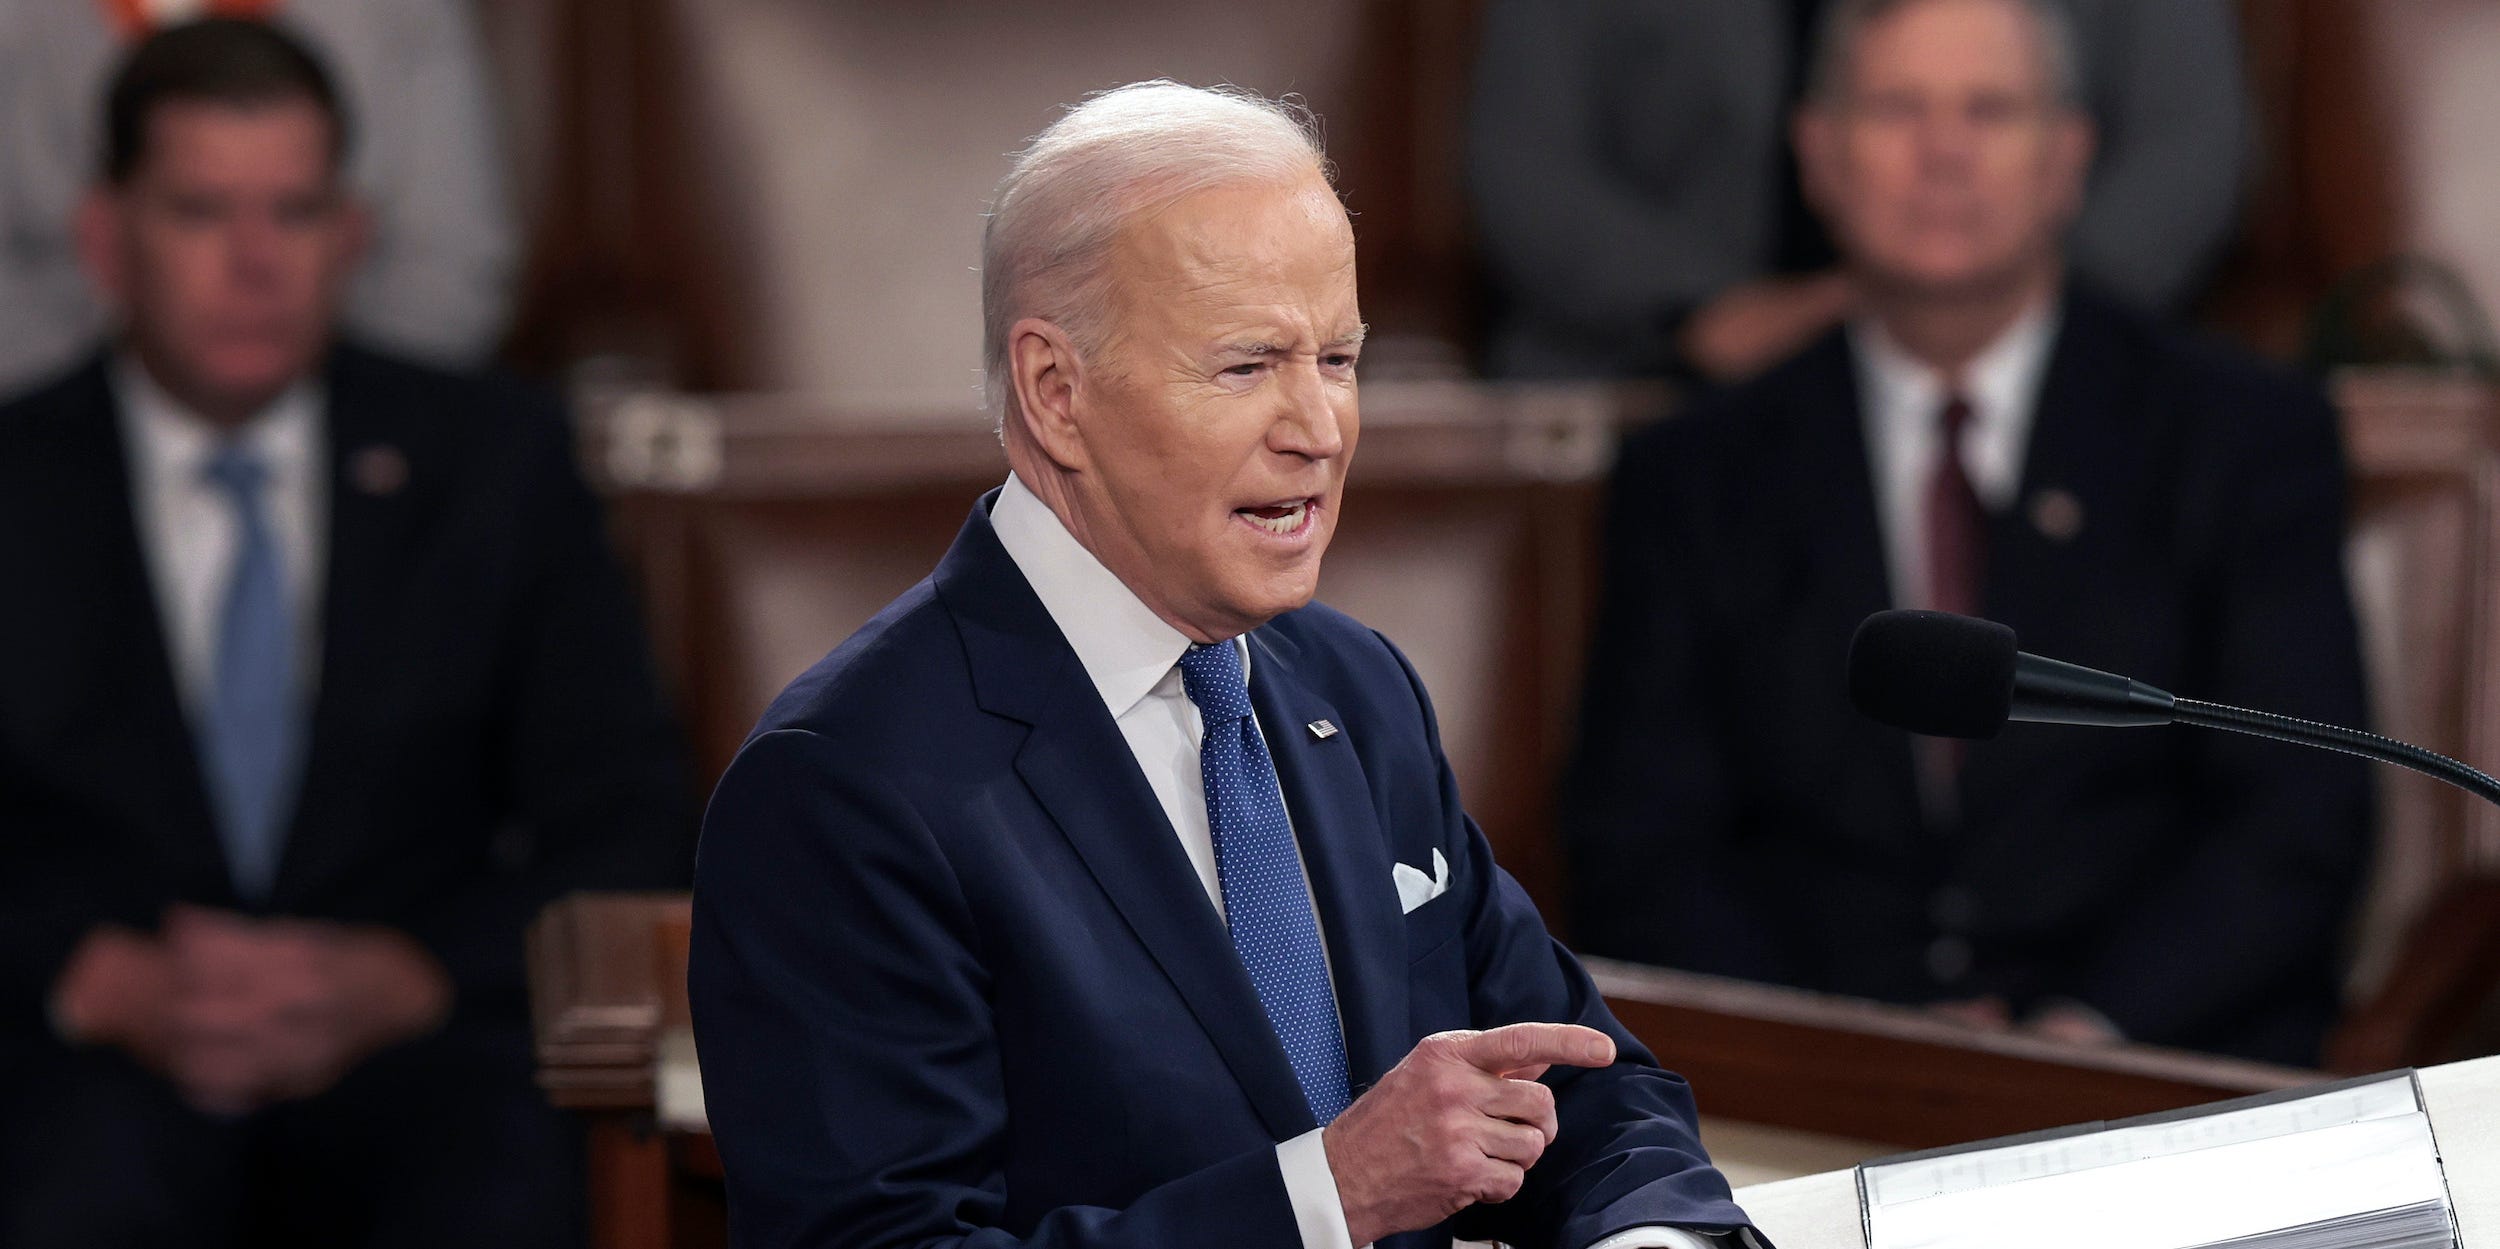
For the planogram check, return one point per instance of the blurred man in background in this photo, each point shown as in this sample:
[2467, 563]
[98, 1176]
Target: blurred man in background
[1639, 212]
[1985, 437]
[318, 682]
[436, 278]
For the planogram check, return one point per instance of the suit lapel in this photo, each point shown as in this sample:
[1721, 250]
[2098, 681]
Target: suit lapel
[2082, 460]
[1080, 770]
[108, 607]
[2083, 443]
[1847, 572]
[1839, 493]
[372, 517]
[1348, 859]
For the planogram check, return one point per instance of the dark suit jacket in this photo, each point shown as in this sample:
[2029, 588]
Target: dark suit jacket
[486, 734]
[1729, 812]
[955, 981]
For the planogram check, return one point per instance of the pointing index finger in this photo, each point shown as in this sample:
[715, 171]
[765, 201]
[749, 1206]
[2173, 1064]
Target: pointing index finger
[1515, 1049]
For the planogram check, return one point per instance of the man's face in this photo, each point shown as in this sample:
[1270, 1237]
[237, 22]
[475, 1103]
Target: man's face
[225, 249]
[1219, 416]
[1946, 163]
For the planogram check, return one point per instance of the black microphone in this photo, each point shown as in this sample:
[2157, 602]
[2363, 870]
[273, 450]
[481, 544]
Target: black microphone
[1944, 675]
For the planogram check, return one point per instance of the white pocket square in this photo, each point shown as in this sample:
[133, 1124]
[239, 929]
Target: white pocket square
[1415, 888]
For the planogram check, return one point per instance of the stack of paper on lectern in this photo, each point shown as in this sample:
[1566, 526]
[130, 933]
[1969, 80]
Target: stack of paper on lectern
[2349, 1166]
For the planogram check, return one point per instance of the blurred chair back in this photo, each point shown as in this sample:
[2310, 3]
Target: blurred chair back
[2424, 557]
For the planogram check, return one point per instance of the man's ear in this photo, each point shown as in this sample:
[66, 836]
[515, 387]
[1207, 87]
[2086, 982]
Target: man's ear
[2071, 144]
[1815, 133]
[355, 231]
[1045, 372]
[98, 230]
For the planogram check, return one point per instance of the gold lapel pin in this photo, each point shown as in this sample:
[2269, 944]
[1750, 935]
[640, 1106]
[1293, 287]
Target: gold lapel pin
[2057, 514]
[378, 470]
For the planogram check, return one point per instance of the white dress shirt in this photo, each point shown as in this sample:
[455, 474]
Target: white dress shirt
[187, 527]
[1902, 401]
[1133, 658]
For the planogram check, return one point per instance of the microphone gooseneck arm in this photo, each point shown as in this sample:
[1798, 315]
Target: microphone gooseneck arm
[2052, 691]
[2349, 741]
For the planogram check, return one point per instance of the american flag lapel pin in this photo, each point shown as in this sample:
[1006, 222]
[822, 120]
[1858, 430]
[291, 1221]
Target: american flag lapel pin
[1321, 729]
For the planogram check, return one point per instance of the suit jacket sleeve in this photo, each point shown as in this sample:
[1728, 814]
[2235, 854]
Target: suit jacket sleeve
[51, 894]
[1648, 803]
[1629, 1153]
[852, 1066]
[588, 755]
[2262, 898]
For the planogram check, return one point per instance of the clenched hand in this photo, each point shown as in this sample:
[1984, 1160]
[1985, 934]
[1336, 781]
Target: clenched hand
[1457, 1122]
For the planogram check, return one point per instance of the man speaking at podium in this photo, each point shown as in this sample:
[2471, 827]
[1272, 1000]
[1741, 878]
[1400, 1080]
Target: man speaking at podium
[1102, 891]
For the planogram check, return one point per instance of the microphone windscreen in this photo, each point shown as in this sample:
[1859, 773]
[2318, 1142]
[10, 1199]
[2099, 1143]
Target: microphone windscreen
[1933, 672]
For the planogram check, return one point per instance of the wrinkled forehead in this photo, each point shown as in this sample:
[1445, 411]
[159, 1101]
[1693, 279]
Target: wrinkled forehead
[194, 137]
[1253, 243]
[1952, 45]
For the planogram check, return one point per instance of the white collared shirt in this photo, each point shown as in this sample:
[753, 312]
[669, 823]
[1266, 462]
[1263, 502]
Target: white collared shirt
[1902, 401]
[1133, 657]
[187, 526]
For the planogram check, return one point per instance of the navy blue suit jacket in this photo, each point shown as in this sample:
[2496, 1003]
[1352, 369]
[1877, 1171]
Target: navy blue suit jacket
[2180, 520]
[955, 982]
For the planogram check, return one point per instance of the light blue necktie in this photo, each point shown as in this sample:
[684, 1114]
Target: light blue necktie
[1266, 904]
[251, 740]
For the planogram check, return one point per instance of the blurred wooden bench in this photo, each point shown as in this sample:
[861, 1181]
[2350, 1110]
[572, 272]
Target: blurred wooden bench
[2424, 556]
[607, 978]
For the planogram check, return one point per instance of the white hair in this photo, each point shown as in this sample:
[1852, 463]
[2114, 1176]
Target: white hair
[1836, 43]
[1117, 156]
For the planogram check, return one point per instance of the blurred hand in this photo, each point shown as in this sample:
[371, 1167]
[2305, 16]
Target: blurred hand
[1458, 1121]
[1750, 327]
[117, 989]
[2074, 1025]
[273, 1010]
[1987, 1014]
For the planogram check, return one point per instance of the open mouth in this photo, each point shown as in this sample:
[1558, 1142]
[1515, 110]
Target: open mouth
[1283, 519]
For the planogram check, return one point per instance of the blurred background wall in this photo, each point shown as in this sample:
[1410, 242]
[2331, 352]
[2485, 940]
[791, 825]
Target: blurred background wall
[785, 194]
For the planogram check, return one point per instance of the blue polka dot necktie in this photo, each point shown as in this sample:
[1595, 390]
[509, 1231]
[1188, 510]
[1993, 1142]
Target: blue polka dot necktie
[1266, 904]
[250, 746]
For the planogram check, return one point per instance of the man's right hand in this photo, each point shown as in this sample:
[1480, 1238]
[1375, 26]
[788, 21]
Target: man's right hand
[1457, 1122]
[117, 989]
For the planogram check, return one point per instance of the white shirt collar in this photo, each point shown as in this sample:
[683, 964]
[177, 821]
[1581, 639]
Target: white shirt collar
[1126, 648]
[170, 444]
[1904, 398]
[1901, 399]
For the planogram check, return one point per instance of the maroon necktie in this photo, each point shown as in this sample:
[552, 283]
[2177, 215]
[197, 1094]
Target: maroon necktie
[1957, 552]
[1956, 523]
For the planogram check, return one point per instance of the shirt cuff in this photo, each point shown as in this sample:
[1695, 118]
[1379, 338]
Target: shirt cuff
[1312, 1188]
[1660, 1238]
